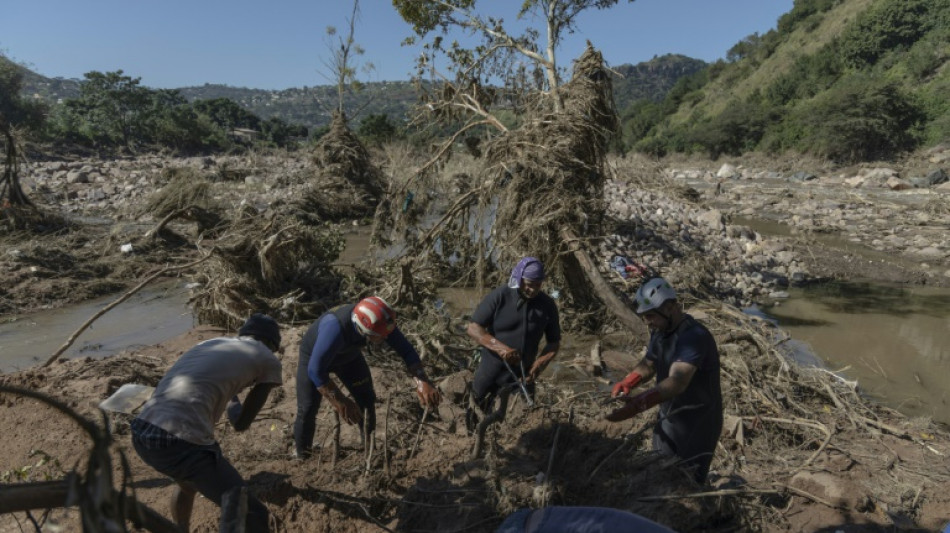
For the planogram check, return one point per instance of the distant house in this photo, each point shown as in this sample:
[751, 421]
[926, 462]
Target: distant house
[244, 134]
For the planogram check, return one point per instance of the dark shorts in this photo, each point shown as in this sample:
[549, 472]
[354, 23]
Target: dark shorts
[201, 466]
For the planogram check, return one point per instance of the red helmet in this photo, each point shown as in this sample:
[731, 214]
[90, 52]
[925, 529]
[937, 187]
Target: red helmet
[373, 317]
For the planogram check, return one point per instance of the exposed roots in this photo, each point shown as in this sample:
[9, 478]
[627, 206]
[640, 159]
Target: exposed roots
[277, 265]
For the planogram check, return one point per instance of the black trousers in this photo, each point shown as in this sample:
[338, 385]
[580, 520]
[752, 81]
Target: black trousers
[356, 378]
[491, 375]
[696, 460]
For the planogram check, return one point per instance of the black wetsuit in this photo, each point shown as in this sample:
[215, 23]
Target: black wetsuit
[690, 434]
[519, 323]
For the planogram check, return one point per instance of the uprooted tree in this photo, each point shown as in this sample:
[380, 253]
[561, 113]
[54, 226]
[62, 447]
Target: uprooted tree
[344, 169]
[16, 115]
[541, 189]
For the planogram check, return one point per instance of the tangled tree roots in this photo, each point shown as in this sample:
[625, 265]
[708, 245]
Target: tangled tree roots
[276, 265]
[347, 183]
[189, 197]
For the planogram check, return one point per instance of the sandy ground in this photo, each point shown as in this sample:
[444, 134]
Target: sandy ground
[772, 472]
[540, 456]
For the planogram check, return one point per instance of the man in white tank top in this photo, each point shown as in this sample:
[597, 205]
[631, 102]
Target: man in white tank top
[174, 433]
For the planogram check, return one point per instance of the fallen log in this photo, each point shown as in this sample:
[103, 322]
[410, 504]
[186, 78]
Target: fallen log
[602, 289]
[19, 497]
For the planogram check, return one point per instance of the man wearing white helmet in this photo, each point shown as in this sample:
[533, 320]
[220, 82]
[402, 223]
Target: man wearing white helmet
[333, 344]
[683, 356]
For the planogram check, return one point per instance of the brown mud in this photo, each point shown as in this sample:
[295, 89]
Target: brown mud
[800, 450]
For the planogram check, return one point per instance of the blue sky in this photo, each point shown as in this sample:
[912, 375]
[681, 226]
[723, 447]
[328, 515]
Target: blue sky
[282, 43]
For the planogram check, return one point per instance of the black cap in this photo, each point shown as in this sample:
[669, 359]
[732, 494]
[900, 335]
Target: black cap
[263, 327]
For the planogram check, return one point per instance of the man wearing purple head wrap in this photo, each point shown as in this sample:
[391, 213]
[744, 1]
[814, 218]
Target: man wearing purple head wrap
[508, 325]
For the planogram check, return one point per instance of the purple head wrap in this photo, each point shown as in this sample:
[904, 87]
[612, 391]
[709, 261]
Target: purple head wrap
[528, 268]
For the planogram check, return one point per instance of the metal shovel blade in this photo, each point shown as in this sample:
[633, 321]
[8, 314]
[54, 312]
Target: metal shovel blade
[128, 399]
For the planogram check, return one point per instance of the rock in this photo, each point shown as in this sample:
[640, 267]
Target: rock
[712, 219]
[940, 157]
[828, 487]
[802, 176]
[936, 177]
[879, 174]
[896, 184]
[77, 176]
[454, 386]
[931, 252]
[727, 171]
[855, 181]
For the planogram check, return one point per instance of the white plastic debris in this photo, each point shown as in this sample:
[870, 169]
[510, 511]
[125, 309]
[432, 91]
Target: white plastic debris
[126, 248]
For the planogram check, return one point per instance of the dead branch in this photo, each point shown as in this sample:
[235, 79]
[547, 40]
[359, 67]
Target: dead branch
[72, 338]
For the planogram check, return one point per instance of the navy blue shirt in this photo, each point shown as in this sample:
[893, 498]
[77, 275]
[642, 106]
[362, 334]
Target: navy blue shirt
[519, 322]
[333, 339]
[690, 343]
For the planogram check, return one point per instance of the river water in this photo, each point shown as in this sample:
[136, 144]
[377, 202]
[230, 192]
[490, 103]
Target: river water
[893, 340]
[152, 315]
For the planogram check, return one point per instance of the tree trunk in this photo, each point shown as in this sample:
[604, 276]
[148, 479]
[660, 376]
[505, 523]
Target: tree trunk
[53, 494]
[10, 191]
[603, 289]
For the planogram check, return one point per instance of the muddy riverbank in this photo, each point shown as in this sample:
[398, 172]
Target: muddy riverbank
[801, 449]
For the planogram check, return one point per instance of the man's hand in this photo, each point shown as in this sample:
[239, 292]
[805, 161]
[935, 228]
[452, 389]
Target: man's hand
[509, 354]
[626, 384]
[486, 339]
[538, 367]
[349, 411]
[635, 405]
[429, 396]
[234, 411]
[347, 408]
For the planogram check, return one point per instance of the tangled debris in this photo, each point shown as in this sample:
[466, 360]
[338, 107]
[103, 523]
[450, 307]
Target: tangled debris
[347, 184]
[275, 264]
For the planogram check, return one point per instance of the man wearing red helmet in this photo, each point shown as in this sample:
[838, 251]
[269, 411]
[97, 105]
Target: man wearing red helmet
[333, 343]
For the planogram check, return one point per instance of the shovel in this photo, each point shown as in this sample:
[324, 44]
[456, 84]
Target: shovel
[520, 381]
[128, 399]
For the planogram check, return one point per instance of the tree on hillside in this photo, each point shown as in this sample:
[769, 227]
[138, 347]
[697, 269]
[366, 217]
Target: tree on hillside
[114, 107]
[16, 115]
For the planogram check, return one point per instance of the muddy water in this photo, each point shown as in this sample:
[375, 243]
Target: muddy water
[152, 315]
[895, 341]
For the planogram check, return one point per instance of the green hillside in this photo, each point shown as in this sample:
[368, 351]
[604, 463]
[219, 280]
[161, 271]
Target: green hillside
[311, 106]
[845, 79]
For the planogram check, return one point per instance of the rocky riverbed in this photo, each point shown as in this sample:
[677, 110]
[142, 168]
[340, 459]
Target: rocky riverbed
[802, 451]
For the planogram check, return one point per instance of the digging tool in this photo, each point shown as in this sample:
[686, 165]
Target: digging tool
[127, 399]
[520, 381]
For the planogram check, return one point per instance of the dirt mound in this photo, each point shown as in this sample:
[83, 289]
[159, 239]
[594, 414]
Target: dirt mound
[802, 462]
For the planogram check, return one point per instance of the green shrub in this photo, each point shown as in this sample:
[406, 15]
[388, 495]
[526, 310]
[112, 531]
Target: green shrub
[887, 25]
[860, 118]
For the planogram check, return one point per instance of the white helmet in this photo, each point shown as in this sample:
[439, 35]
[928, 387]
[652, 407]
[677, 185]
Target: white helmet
[652, 294]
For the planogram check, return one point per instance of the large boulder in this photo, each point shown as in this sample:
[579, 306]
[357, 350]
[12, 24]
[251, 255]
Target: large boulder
[727, 171]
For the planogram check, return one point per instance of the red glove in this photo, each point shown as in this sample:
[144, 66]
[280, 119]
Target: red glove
[626, 384]
[636, 405]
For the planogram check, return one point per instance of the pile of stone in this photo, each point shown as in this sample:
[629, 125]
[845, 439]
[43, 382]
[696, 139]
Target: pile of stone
[668, 235]
[115, 187]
